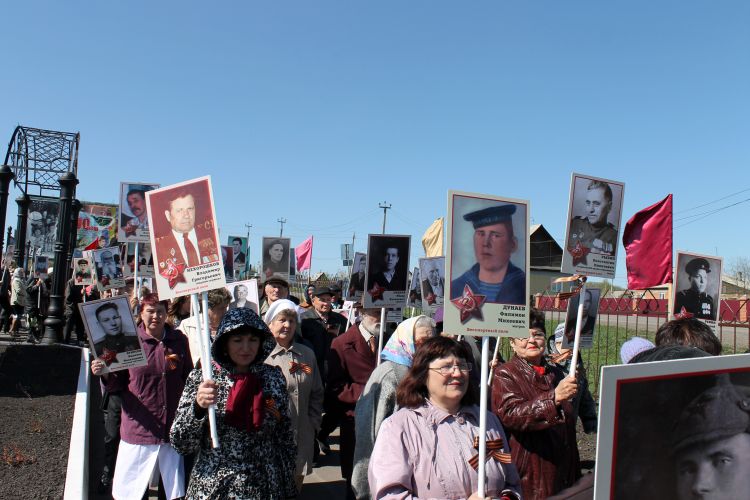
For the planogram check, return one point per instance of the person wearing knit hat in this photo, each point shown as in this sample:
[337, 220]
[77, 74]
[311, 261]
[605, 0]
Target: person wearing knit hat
[256, 456]
[303, 382]
[633, 347]
[711, 443]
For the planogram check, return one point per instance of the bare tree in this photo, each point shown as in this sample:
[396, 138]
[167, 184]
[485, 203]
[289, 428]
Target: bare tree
[739, 270]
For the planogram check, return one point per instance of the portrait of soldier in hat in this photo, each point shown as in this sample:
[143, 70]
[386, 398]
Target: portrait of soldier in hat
[711, 444]
[492, 274]
[698, 298]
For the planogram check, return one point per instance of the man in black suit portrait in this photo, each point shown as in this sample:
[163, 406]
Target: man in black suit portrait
[388, 277]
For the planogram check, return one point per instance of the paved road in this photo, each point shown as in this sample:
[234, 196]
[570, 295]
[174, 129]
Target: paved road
[326, 481]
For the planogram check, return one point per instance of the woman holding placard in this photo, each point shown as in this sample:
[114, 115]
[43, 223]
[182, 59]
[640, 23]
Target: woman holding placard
[256, 458]
[428, 449]
[532, 400]
[149, 400]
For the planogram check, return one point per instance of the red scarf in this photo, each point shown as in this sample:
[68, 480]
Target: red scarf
[245, 403]
[538, 369]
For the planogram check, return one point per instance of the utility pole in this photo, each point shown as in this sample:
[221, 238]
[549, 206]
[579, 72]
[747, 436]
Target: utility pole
[247, 250]
[281, 221]
[385, 212]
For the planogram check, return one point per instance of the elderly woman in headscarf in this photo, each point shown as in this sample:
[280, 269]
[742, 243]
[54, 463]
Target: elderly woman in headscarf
[17, 298]
[303, 382]
[257, 452]
[378, 400]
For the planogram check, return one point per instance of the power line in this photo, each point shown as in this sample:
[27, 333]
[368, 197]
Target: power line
[712, 202]
[706, 214]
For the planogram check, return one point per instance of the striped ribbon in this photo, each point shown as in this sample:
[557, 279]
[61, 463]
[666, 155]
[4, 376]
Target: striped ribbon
[294, 366]
[270, 406]
[494, 450]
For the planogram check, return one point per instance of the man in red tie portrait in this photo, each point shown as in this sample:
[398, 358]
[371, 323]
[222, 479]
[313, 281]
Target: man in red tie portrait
[186, 241]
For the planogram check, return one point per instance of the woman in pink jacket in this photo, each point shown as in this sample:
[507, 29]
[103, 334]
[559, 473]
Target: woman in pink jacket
[428, 449]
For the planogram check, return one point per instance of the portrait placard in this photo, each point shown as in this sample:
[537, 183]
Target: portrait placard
[227, 258]
[41, 226]
[82, 271]
[184, 238]
[145, 260]
[387, 268]
[357, 278]
[488, 266]
[111, 329]
[696, 292]
[415, 290]
[108, 268]
[40, 266]
[97, 226]
[244, 294]
[592, 235]
[590, 312]
[432, 272]
[239, 250]
[660, 421]
[394, 315]
[133, 216]
[276, 257]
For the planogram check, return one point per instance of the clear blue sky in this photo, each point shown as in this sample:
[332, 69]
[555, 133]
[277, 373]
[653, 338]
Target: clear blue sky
[316, 111]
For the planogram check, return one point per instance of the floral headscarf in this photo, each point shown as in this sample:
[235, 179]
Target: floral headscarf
[400, 347]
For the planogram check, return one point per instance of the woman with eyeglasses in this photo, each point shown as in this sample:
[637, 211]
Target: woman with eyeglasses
[428, 448]
[533, 401]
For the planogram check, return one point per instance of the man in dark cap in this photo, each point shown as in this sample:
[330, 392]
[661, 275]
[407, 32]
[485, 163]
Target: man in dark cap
[592, 229]
[695, 300]
[711, 444]
[493, 275]
[320, 325]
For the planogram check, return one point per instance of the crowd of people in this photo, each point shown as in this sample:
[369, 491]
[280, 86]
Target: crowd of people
[285, 379]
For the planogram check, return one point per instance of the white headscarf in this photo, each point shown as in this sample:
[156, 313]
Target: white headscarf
[277, 307]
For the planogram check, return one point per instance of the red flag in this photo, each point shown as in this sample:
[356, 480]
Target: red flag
[648, 246]
[303, 253]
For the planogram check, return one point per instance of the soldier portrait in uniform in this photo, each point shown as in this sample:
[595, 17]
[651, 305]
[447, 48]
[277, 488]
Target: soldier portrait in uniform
[432, 272]
[592, 234]
[276, 257]
[82, 271]
[184, 236]
[415, 290]
[590, 309]
[386, 280]
[357, 278]
[698, 285]
[675, 430]
[239, 250]
[108, 268]
[133, 224]
[112, 332]
[487, 265]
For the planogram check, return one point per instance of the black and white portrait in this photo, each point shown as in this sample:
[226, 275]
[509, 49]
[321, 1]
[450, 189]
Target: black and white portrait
[698, 286]
[415, 290]
[145, 260]
[590, 299]
[82, 274]
[432, 274]
[675, 430]
[239, 251]
[276, 257]
[112, 333]
[386, 279]
[109, 272]
[244, 294]
[594, 209]
[357, 278]
[41, 228]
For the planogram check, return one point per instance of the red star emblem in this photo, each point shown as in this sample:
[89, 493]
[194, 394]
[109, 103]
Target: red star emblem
[431, 299]
[579, 253]
[173, 273]
[683, 314]
[376, 292]
[469, 304]
[108, 356]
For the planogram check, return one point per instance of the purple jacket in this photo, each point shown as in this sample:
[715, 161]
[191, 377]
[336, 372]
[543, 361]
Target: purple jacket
[150, 393]
[424, 453]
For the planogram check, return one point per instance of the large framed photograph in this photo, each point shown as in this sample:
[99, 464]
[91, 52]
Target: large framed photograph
[244, 295]
[276, 257]
[386, 279]
[185, 239]
[133, 220]
[674, 429]
[239, 251]
[698, 287]
[432, 273]
[112, 333]
[97, 226]
[145, 260]
[488, 265]
[108, 267]
[592, 236]
[82, 271]
[41, 225]
[415, 290]
[356, 287]
[590, 299]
